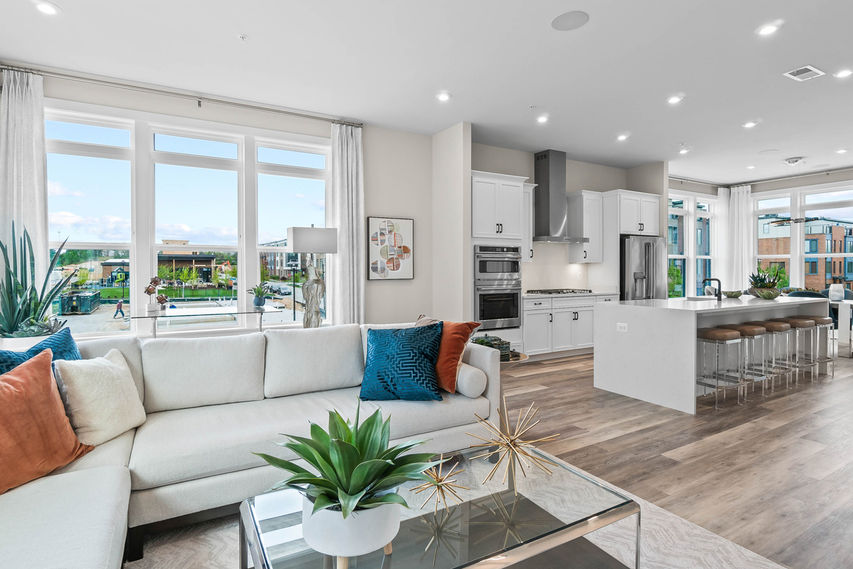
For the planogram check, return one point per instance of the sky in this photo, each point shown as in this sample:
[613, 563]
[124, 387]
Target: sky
[89, 198]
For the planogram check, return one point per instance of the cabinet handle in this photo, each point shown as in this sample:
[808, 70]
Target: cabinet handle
[531, 253]
[584, 254]
[550, 318]
[502, 227]
[642, 227]
[575, 317]
[497, 228]
[536, 303]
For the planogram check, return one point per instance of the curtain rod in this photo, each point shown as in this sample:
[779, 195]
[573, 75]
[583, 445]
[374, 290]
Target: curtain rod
[798, 176]
[157, 90]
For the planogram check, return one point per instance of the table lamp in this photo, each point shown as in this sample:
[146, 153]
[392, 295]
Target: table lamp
[312, 240]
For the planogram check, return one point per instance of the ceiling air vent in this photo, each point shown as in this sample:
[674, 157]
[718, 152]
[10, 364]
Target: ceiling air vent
[804, 73]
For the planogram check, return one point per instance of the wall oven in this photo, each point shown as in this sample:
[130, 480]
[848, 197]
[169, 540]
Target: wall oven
[497, 288]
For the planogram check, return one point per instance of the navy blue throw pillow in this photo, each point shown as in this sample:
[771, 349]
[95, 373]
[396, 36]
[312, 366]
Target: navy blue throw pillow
[401, 364]
[61, 344]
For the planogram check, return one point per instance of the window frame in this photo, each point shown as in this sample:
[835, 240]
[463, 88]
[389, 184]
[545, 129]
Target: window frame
[143, 158]
[691, 214]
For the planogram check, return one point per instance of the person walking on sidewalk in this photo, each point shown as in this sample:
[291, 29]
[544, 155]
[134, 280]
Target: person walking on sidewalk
[119, 310]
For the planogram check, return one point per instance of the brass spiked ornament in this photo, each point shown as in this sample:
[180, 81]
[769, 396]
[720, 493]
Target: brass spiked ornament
[507, 443]
[441, 484]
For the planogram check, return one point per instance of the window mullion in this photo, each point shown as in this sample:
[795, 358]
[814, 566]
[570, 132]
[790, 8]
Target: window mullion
[248, 223]
[142, 256]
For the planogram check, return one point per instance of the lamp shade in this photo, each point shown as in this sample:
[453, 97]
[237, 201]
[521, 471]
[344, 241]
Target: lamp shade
[312, 240]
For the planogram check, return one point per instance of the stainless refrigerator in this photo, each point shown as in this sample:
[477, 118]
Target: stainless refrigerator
[643, 267]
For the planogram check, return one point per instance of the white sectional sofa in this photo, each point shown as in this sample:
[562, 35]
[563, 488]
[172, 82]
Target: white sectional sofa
[210, 403]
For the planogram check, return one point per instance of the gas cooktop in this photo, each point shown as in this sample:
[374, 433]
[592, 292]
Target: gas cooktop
[560, 291]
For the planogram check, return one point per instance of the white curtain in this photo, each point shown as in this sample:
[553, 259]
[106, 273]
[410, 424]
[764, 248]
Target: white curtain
[741, 232]
[23, 196]
[346, 269]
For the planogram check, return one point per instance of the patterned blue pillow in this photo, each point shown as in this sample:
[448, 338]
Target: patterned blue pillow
[61, 344]
[401, 364]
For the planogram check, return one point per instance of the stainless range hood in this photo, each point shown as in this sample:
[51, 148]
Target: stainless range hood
[550, 203]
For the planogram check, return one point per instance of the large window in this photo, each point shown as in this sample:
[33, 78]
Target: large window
[807, 235]
[202, 206]
[690, 243]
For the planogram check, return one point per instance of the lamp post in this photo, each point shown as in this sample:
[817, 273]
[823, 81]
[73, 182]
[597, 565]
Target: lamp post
[313, 240]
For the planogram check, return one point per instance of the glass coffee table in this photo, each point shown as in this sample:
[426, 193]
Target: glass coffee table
[494, 526]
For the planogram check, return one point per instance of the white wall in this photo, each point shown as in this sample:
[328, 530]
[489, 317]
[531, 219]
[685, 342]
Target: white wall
[845, 175]
[398, 183]
[452, 276]
[693, 186]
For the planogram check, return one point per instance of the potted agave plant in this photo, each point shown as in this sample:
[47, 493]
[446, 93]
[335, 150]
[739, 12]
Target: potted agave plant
[350, 501]
[260, 292]
[763, 284]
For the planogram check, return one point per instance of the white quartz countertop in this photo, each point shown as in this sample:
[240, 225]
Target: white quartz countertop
[570, 295]
[745, 302]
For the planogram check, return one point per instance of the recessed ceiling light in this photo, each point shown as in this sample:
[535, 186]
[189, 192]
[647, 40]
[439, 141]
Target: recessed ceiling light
[675, 99]
[623, 137]
[769, 28]
[443, 96]
[48, 8]
[542, 119]
[750, 167]
[843, 74]
[684, 150]
[569, 21]
[841, 151]
[750, 124]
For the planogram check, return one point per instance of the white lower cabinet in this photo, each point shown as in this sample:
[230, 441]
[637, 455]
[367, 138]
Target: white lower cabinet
[558, 324]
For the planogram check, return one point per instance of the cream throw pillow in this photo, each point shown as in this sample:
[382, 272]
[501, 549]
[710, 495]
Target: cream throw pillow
[101, 397]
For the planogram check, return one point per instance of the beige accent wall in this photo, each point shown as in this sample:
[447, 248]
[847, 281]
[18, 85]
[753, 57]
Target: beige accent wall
[501, 160]
[693, 186]
[398, 183]
[594, 177]
[845, 175]
[453, 262]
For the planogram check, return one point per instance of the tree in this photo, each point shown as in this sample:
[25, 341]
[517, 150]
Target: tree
[184, 274]
[214, 278]
[164, 272]
[675, 281]
[265, 272]
[82, 277]
[194, 276]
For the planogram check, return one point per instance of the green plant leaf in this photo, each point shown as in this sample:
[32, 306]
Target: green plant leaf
[322, 502]
[369, 438]
[375, 501]
[344, 459]
[283, 464]
[320, 435]
[314, 458]
[313, 480]
[349, 502]
[368, 472]
[338, 428]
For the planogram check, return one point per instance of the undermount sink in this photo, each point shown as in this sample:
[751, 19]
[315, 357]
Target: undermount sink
[700, 298]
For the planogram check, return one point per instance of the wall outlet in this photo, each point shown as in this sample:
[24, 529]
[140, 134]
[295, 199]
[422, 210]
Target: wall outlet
[621, 326]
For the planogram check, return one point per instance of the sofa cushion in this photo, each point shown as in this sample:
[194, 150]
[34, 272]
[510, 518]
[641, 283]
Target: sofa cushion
[115, 452]
[413, 418]
[187, 444]
[100, 396]
[301, 361]
[61, 345]
[401, 364]
[35, 435]
[471, 381]
[366, 327]
[130, 348]
[76, 520]
[191, 372]
[454, 338]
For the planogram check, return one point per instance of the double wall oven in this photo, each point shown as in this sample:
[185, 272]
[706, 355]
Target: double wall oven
[497, 286]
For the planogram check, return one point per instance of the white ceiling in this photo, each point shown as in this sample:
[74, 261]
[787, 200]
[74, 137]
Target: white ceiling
[382, 61]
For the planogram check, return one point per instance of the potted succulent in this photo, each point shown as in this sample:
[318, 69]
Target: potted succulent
[762, 284]
[350, 501]
[259, 291]
[26, 305]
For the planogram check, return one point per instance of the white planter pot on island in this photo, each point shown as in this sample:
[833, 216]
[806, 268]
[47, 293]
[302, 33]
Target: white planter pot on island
[646, 349]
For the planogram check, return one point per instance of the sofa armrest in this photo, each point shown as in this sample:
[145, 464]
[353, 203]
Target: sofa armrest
[488, 360]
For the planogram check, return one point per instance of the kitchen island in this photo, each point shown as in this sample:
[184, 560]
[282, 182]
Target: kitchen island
[646, 349]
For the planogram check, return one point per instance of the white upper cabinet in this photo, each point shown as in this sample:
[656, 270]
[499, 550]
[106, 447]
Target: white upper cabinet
[639, 213]
[585, 212]
[527, 224]
[497, 206]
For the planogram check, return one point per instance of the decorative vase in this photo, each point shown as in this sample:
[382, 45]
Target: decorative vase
[765, 293]
[362, 532]
[836, 291]
[260, 301]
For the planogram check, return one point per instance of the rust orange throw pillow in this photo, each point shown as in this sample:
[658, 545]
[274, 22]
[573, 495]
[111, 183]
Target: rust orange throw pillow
[454, 337]
[35, 435]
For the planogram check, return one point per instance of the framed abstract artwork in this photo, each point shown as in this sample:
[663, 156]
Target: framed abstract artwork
[390, 246]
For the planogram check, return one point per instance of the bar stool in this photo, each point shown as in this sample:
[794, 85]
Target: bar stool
[823, 323]
[801, 325]
[751, 333]
[778, 330]
[726, 339]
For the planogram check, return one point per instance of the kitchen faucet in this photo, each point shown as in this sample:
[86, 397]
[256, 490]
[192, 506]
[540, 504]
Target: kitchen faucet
[719, 288]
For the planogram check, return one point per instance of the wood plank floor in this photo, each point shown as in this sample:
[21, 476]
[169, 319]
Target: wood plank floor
[774, 475]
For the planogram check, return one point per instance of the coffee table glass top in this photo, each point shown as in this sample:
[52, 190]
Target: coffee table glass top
[491, 522]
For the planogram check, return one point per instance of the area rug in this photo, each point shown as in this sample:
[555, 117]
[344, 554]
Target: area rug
[668, 541]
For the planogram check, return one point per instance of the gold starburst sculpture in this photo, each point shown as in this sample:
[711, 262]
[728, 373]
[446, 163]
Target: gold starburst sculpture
[504, 522]
[441, 484]
[509, 445]
[441, 528]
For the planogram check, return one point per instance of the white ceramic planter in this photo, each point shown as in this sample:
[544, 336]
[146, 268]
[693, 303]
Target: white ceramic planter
[360, 533]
